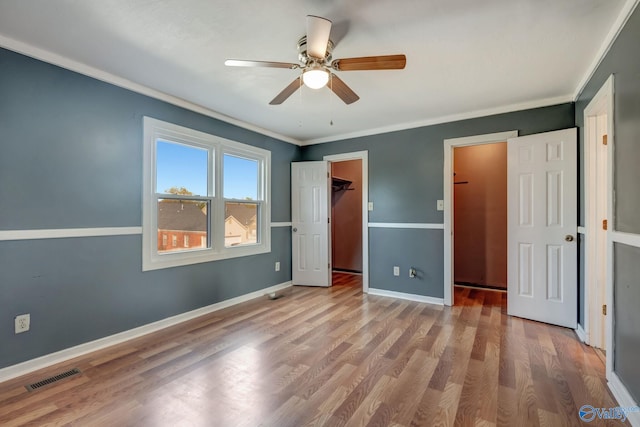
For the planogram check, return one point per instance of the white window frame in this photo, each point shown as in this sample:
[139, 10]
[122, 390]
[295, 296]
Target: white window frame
[151, 260]
[245, 154]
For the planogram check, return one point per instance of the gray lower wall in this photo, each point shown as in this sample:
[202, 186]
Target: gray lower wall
[406, 180]
[626, 320]
[71, 157]
[623, 61]
[422, 249]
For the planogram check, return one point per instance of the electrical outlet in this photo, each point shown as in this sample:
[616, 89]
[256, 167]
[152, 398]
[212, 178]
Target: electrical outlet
[396, 270]
[22, 323]
[277, 265]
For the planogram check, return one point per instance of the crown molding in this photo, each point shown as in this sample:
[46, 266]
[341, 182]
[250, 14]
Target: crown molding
[546, 102]
[618, 25]
[87, 70]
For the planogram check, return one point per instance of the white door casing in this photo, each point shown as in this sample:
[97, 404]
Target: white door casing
[363, 156]
[310, 223]
[542, 227]
[598, 202]
[449, 146]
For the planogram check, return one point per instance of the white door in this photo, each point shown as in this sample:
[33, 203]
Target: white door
[542, 225]
[310, 223]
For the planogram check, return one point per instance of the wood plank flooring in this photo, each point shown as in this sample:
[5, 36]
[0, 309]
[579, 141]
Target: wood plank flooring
[334, 357]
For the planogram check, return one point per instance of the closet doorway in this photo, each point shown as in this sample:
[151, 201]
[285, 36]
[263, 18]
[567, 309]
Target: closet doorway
[480, 216]
[477, 232]
[349, 217]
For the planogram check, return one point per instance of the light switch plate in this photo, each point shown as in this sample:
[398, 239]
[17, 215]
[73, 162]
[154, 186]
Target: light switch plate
[440, 205]
[370, 206]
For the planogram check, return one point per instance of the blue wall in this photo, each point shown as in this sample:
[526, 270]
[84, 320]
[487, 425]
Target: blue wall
[71, 157]
[623, 61]
[405, 181]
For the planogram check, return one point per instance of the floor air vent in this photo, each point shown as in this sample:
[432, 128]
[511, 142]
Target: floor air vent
[53, 379]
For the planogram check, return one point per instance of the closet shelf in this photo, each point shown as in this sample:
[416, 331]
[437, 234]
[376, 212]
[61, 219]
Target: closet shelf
[340, 184]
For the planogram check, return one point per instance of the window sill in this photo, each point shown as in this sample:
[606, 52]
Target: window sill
[158, 262]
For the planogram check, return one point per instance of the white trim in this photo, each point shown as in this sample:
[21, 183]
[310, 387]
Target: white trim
[446, 119]
[601, 104]
[625, 13]
[412, 225]
[488, 138]
[449, 145]
[78, 67]
[626, 238]
[581, 334]
[91, 346]
[624, 399]
[582, 230]
[363, 156]
[62, 233]
[217, 147]
[280, 224]
[402, 295]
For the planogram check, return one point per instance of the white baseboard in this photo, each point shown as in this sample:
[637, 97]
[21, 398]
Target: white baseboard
[82, 349]
[402, 295]
[581, 334]
[624, 399]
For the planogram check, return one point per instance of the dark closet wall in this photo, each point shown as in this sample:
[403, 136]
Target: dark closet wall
[480, 215]
[346, 216]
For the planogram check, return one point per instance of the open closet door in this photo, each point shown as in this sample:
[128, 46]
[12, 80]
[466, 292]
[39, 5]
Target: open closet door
[310, 227]
[542, 225]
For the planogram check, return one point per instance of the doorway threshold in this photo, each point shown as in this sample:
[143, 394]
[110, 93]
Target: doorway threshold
[477, 286]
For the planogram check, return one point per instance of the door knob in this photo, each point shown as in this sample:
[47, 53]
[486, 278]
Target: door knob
[294, 229]
[568, 238]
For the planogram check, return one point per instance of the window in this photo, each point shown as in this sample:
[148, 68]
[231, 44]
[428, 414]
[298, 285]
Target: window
[208, 193]
[241, 203]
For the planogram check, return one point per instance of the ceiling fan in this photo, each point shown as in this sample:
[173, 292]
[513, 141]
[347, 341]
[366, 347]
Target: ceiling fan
[314, 54]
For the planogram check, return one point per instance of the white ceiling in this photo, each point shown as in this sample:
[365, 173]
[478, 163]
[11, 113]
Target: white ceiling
[464, 58]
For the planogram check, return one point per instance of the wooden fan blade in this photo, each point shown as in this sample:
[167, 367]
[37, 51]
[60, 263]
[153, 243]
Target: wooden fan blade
[318, 30]
[341, 89]
[385, 62]
[287, 92]
[268, 64]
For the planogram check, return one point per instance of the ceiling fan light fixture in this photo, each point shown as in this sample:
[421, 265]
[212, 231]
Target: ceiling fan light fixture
[315, 78]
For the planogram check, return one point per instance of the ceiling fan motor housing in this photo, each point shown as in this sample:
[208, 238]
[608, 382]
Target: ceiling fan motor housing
[306, 60]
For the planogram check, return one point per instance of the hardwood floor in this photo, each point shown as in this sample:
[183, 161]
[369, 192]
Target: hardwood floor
[333, 357]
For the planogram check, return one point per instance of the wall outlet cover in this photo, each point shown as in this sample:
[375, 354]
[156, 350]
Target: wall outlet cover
[396, 270]
[22, 323]
[277, 265]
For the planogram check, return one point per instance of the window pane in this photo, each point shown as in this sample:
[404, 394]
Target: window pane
[182, 225]
[240, 178]
[240, 223]
[181, 169]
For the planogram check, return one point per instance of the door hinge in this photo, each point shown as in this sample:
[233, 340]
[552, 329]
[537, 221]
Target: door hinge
[605, 224]
[604, 140]
[329, 266]
[604, 309]
[328, 220]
